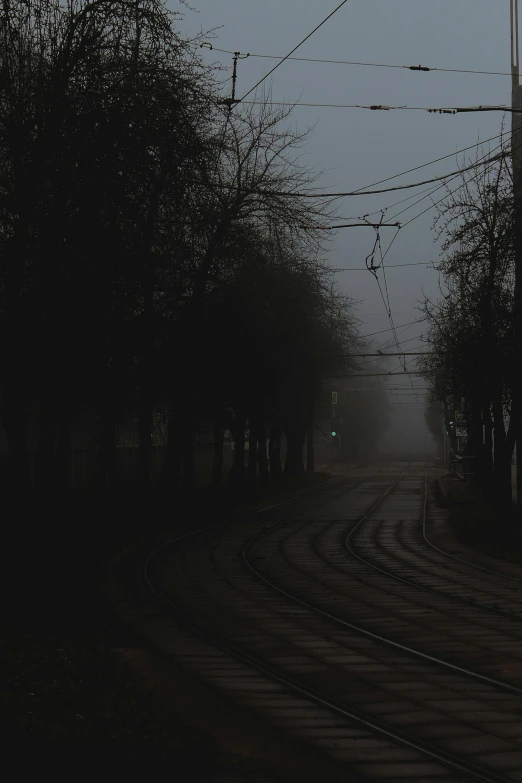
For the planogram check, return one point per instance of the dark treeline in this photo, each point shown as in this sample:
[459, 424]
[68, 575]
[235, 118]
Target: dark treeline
[471, 368]
[152, 261]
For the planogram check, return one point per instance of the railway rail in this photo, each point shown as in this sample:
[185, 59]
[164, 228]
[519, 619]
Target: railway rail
[298, 607]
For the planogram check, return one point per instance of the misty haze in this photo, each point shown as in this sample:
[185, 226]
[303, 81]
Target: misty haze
[260, 397]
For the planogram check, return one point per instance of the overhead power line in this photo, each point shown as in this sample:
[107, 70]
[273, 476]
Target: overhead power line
[482, 161]
[426, 193]
[372, 334]
[418, 68]
[390, 266]
[449, 192]
[390, 344]
[417, 168]
[421, 166]
[382, 107]
[369, 362]
[390, 190]
[271, 71]
[352, 225]
[429, 163]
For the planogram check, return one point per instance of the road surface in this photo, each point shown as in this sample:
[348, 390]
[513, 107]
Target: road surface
[351, 621]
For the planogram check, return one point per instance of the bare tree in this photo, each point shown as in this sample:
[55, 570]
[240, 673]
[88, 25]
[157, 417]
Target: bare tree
[471, 333]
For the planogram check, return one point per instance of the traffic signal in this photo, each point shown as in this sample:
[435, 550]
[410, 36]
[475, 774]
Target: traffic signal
[334, 433]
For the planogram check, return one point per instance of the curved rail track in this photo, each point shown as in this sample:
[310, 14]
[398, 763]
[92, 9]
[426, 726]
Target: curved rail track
[394, 551]
[382, 659]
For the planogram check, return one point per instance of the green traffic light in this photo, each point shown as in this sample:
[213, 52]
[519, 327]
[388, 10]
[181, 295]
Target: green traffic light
[334, 433]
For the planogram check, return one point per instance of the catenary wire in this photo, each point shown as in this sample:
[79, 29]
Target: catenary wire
[390, 266]
[382, 107]
[271, 71]
[368, 65]
[363, 192]
[436, 203]
[382, 331]
[434, 190]
[426, 194]
[382, 267]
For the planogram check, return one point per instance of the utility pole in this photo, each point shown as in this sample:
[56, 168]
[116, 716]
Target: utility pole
[516, 158]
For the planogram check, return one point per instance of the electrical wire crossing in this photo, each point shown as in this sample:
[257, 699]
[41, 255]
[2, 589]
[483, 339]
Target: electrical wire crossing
[396, 187]
[271, 71]
[390, 266]
[403, 326]
[429, 163]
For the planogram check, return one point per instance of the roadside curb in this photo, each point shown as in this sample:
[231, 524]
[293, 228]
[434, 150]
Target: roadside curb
[454, 492]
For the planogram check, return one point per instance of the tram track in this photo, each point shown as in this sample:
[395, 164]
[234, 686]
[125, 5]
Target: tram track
[333, 559]
[354, 552]
[305, 687]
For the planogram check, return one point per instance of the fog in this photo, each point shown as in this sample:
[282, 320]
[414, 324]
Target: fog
[355, 147]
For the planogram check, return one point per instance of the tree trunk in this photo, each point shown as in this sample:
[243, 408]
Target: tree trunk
[170, 475]
[45, 459]
[261, 449]
[148, 281]
[63, 455]
[474, 448]
[237, 474]
[310, 452]
[487, 452]
[217, 467]
[252, 451]
[503, 488]
[295, 437]
[290, 468]
[145, 435]
[502, 461]
[188, 474]
[106, 471]
[301, 438]
[274, 453]
[15, 424]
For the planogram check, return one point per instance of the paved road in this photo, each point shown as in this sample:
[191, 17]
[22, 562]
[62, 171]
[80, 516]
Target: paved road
[352, 620]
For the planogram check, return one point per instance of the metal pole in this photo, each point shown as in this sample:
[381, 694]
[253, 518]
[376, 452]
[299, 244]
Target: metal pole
[516, 156]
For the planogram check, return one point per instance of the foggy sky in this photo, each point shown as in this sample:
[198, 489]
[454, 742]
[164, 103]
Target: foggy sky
[357, 147]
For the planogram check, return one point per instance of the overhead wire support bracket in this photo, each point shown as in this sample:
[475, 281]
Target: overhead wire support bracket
[467, 109]
[371, 267]
[352, 225]
[232, 101]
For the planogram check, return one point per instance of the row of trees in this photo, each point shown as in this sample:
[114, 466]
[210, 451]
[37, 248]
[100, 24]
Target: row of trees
[156, 249]
[471, 367]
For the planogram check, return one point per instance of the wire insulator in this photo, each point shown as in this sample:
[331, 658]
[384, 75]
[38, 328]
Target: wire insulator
[419, 68]
[228, 102]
